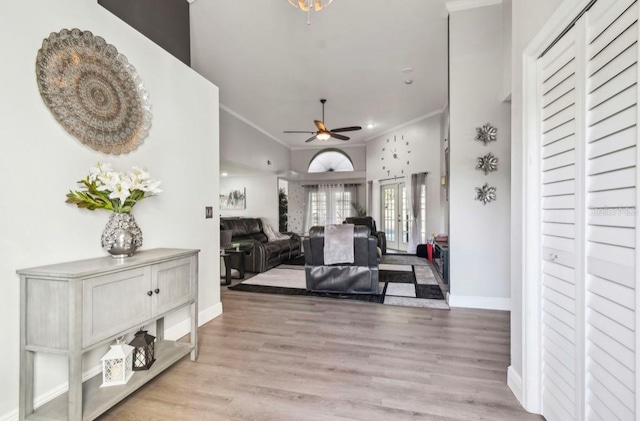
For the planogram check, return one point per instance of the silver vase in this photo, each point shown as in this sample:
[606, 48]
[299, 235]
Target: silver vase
[122, 236]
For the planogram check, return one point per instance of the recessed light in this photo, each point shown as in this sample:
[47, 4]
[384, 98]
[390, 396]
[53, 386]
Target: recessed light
[408, 81]
[370, 126]
[224, 174]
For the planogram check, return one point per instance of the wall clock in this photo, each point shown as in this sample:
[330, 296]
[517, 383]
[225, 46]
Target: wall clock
[395, 156]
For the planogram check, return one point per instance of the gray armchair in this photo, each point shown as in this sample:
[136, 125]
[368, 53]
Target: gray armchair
[368, 221]
[360, 277]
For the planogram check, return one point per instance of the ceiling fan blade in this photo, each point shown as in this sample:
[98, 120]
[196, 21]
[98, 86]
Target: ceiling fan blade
[347, 129]
[339, 136]
[320, 125]
[290, 131]
[310, 139]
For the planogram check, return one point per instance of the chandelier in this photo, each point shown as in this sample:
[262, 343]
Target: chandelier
[308, 5]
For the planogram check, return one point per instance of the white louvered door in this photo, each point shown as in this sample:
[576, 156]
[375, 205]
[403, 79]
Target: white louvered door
[589, 113]
[559, 73]
[612, 53]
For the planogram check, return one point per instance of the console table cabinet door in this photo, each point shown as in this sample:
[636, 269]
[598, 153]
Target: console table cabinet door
[115, 303]
[172, 284]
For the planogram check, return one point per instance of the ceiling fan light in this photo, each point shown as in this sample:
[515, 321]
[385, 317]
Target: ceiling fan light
[323, 136]
[303, 5]
[318, 5]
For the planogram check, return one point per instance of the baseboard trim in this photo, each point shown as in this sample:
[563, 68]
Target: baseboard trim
[52, 394]
[176, 332]
[485, 303]
[183, 328]
[514, 381]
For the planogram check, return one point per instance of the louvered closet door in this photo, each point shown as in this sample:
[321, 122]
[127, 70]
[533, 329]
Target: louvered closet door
[589, 114]
[611, 198]
[557, 71]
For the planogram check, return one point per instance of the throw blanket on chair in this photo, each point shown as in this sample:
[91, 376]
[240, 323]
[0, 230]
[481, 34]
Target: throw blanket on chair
[338, 244]
[272, 235]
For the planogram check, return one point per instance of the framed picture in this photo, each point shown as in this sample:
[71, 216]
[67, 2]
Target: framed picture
[233, 199]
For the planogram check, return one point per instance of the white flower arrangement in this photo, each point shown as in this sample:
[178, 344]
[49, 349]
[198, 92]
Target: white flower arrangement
[105, 188]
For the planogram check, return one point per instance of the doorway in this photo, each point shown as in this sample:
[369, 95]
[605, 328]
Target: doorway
[395, 215]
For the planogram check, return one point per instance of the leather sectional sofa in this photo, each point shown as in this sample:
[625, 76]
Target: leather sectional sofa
[265, 254]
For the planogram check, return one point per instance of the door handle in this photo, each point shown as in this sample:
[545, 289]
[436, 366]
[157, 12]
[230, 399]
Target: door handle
[157, 290]
[149, 293]
[553, 256]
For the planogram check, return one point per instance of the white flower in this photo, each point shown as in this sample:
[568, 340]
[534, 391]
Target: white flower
[151, 186]
[108, 181]
[101, 170]
[121, 191]
[141, 174]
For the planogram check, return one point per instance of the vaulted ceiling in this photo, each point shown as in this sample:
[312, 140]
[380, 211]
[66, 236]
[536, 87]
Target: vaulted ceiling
[272, 68]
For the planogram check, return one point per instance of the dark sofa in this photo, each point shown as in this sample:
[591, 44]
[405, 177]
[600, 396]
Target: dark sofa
[359, 277]
[265, 254]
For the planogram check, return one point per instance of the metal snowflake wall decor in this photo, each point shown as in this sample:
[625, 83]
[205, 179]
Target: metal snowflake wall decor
[486, 194]
[486, 134]
[487, 163]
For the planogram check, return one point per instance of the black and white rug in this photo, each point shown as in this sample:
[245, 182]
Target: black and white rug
[400, 285]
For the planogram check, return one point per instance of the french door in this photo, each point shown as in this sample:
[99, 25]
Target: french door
[395, 215]
[588, 107]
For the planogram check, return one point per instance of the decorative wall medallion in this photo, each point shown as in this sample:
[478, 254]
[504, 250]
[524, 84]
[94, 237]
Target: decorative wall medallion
[487, 163]
[93, 91]
[486, 194]
[486, 134]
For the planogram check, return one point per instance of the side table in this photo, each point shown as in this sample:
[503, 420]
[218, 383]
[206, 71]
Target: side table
[227, 265]
[237, 257]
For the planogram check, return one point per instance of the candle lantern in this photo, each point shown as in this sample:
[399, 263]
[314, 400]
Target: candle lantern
[143, 350]
[117, 365]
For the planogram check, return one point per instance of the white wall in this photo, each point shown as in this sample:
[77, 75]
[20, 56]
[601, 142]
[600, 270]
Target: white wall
[479, 234]
[242, 144]
[424, 139]
[261, 199]
[528, 18]
[40, 162]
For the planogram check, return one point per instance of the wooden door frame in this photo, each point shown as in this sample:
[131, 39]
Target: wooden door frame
[529, 387]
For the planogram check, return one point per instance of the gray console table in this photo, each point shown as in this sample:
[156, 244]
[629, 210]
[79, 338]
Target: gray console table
[71, 308]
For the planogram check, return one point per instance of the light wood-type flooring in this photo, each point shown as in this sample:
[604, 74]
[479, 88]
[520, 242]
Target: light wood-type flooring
[271, 357]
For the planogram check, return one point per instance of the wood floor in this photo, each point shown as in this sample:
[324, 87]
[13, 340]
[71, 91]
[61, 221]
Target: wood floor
[271, 357]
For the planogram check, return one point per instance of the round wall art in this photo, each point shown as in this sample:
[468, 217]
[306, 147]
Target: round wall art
[93, 91]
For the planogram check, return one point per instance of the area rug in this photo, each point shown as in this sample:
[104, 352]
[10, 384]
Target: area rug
[400, 285]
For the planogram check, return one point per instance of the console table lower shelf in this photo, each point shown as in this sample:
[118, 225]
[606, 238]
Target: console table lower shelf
[97, 400]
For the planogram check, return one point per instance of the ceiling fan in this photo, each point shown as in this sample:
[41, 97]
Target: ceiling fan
[323, 133]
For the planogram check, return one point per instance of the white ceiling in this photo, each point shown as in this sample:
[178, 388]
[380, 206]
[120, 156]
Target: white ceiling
[272, 69]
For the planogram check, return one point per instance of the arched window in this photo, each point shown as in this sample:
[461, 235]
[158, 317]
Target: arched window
[330, 160]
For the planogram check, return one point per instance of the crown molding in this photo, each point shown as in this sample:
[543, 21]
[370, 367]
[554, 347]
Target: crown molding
[325, 146]
[246, 121]
[405, 124]
[458, 5]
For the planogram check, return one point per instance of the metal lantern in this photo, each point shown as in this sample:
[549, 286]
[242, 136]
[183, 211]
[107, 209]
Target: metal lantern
[143, 350]
[117, 364]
